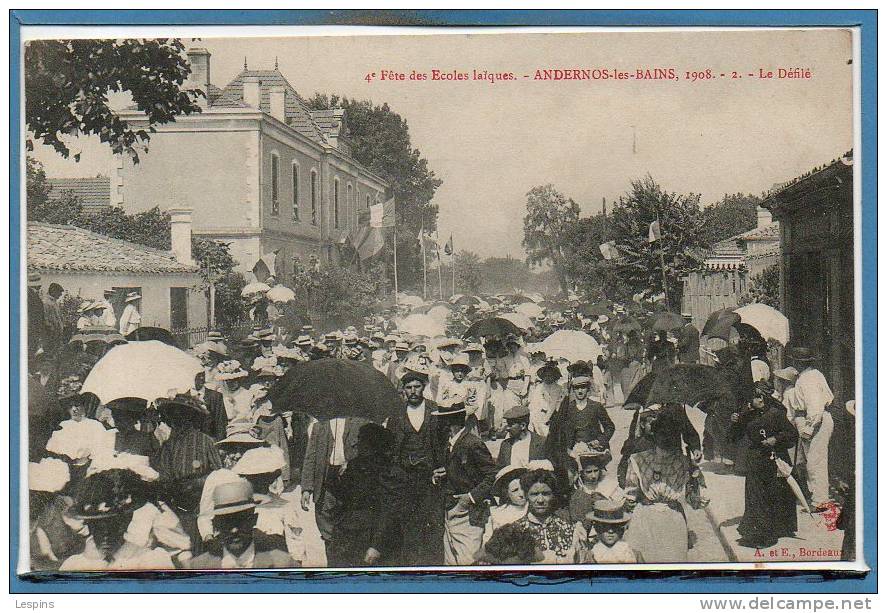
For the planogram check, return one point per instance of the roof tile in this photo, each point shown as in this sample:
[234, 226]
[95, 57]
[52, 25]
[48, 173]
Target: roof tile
[94, 193]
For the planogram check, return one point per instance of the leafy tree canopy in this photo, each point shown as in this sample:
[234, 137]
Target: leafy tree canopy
[68, 82]
[549, 215]
[735, 214]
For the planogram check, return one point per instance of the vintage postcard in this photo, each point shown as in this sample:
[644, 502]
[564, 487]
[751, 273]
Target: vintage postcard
[445, 299]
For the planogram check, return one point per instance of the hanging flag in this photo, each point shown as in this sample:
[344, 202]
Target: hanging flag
[427, 240]
[609, 250]
[368, 242]
[448, 248]
[655, 233]
[265, 266]
[382, 214]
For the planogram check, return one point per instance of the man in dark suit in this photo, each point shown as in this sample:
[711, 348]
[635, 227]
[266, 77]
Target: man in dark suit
[332, 444]
[577, 419]
[418, 448]
[234, 522]
[688, 341]
[521, 446]
[466, 480]
[215, 423]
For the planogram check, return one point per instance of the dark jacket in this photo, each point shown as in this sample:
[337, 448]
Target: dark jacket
[688, 344]
[215, 424]
[433, 442]
[470, 470]
[320, 448]
[369, 496]
[537, 450]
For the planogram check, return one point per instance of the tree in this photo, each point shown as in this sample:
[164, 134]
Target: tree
[764, 287]
[680, 247]
[735, 214]
[336, 296]
[67, 83]
[549, 215]
[468, 272]
[503, 275]
[380, 140]
[586, 267]
[63, 210]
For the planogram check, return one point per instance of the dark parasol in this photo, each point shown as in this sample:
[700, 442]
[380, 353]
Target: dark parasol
[492, 326]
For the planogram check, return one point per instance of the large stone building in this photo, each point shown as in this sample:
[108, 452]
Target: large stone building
[258, 168]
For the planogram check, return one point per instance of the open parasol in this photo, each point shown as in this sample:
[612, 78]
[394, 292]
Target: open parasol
[520, 320]
[665, 321]
[492, 326]
[254, 288]
[627, 324]
[572, 345]
[771, 323]
[330, 388]
[422, 325]
[530, 309]
[467, 300]
[150, 333]
[142, 369]
[719, 323]
[280, 293]
[439, 312]
[515, 298]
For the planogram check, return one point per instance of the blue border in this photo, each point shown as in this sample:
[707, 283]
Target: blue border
[453, 582]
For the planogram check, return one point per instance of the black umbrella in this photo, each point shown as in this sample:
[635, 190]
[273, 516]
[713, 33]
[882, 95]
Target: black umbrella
[637, 397]
[516, 298]
[330, 388]
[628, 324]
[719, 323]
[467, 300]
[148, 333]
[493, 326]
[663, 322]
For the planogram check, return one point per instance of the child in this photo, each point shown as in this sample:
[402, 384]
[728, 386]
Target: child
[591, 484]
[608, 521]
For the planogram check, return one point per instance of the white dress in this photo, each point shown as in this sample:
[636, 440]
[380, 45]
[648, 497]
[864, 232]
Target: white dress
[128, 557]
[130, 319]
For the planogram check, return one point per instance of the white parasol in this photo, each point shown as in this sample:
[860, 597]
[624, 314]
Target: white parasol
[772, 324]
[572, 345]
[439, 312]
[422, 325]
[280, 293]
[519, 319]
[254, 288]
[142, 369]
[530, 309]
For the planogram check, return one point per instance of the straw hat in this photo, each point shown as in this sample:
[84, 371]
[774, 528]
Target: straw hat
[233, 497]
[230, 369]
[132, 296]
[608, 512]
[260, 461]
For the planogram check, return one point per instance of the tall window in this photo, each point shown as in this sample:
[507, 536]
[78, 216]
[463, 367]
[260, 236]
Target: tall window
[314, 197]
[368, 202]
[336, 203]
[349, 205]
[275, 184]
[295, 192]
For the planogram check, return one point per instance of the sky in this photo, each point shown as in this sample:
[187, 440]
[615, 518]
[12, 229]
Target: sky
[491, 143]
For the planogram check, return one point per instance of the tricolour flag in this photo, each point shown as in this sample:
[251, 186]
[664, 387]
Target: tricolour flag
[382, 214]
[448, 248]
[655, 233]
[368, 242]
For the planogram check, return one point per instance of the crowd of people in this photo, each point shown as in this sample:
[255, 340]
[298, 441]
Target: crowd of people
[500, 453]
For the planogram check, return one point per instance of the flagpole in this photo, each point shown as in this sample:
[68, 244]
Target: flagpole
[424, 268]
[662, 260]
[439, 265]
[395, 263]
[453, 265]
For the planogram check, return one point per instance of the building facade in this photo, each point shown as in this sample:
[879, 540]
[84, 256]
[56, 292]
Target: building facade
[817, 282]
[86, 264]
[258, 168]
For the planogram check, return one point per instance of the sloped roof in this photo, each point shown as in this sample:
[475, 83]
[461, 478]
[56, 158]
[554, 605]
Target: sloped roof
[68, 248]
[297, 114]
[94, 193]
[767, 233]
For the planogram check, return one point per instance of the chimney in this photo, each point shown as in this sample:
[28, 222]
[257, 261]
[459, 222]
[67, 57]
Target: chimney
[765, 217]
[198, 58]
[252, 91]
[278, 103]
[180, 227]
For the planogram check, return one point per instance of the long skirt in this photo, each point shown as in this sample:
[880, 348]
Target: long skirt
[630, 376]
[658, 532]
[461, 540]
[770, 511]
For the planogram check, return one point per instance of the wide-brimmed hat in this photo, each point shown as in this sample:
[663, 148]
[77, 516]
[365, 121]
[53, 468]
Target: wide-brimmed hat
[580, 373]
[304, 341]
[453, 410]
[541, 318]
[260, 461]
[802, 355]
[69, 389]
[214, 335]
[473, 348]
[107, 494]
[233, 497]
[391, 338]
[402, 346]
[269, 372]
[265, 335]
[179, 402]
[230, 369]
[34, 279]
[48, 475]
[789, 373]
[243, 438]
[460, 362]
[585, 454]
[114, 460]
[132, 296]
[350, 339]
[602, 319]
[608, 512]
[549, 368]
[505, 476]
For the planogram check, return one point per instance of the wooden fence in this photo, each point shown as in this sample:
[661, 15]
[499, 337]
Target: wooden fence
[705, 292]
